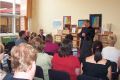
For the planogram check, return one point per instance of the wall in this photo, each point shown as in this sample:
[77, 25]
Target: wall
[45, 11]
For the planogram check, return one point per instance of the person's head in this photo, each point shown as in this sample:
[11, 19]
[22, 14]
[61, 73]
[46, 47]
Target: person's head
[41, 32]
[69, 36]
[87, 23]
[1, 51]
[27, 33]
[112, 39]
[32, 35]
[37, 43]
[22, 57]
[65, 48]
[22, 34]
[48, 38]
[97, 49]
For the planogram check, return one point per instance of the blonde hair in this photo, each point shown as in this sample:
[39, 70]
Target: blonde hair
[1, 48]
[112, 39]
[22, 56]
[37, 43]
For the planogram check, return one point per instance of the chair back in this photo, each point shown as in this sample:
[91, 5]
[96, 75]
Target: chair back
[85, 77]
[114, 66]
[115, 74]
[58, 75]
[39, 72]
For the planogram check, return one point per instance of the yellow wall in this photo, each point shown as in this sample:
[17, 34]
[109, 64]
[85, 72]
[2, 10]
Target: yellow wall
[45, 11]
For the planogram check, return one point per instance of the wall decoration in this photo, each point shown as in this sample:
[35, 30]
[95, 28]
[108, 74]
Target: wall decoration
[66, 22]
[73, 28]
[96, 20]
[81, 23]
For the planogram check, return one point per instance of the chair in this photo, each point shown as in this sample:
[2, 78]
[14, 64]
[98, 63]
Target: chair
[58, 75]
[39, 72]
[115, 74]
[85, 77]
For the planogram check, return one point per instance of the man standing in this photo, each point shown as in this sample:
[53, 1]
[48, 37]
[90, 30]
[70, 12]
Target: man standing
[41, 34]
[87, 34]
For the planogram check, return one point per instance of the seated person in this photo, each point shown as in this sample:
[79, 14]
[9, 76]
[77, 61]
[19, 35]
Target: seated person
[94, 65]
[111, 52]
[23, 59]
[65, 61]
[3, 74]
[21, 38]
[43, 59]
[49, 46]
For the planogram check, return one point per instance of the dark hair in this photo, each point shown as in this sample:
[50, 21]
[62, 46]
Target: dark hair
[97, 49]
[21, 33]
[69, 36]
[48, 38]
[65, 48]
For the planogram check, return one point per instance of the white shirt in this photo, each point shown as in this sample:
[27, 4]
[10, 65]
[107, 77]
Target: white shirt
[111, 53]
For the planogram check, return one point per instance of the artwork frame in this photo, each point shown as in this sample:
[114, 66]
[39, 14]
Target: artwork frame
[81, 23]
[66, 22]
[96, 20]
[73, 29]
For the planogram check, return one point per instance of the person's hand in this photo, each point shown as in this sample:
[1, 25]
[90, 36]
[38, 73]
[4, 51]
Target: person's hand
[83, 34]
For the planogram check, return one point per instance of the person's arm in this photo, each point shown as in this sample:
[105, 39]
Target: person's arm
[109, 74]
[77, 71]
[81, 71]
[119, 62]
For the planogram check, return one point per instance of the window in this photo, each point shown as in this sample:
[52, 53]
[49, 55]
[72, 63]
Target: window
[10, 16]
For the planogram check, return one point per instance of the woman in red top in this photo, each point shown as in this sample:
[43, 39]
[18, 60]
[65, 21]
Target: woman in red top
[65, 61]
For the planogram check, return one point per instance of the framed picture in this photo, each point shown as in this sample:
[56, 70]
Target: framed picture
[73, 28]
[66, 22]
[81, 23]
[96, 20]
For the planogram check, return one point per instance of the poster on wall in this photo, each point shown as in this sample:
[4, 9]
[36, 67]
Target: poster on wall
[95, 20]
[66, 22]
[81, 23]
[57, 23]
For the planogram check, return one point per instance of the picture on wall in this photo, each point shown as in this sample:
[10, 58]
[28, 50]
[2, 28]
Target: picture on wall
[73, 28]
[96, 20]
[66, 22]
[81, 23]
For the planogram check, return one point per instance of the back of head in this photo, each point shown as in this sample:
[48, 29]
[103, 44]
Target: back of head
[32, 35]
[21, 33]
[22, 57]
[112, 39]
[69, 36]
[1, 48]
[97, 49]
[48, 38]
[37, 43]
[65, 48]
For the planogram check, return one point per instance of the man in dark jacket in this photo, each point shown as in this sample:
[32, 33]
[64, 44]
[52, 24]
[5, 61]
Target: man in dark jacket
[87, 34]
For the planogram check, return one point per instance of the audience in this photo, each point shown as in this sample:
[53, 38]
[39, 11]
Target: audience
[95, 66]
[50, 47]
[23, 59]
[111, 52]
[41, 34]
[43, 59]
[65, 61]
[21, 39]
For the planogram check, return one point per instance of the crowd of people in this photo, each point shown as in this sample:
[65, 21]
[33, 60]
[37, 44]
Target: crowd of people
[32, 49]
